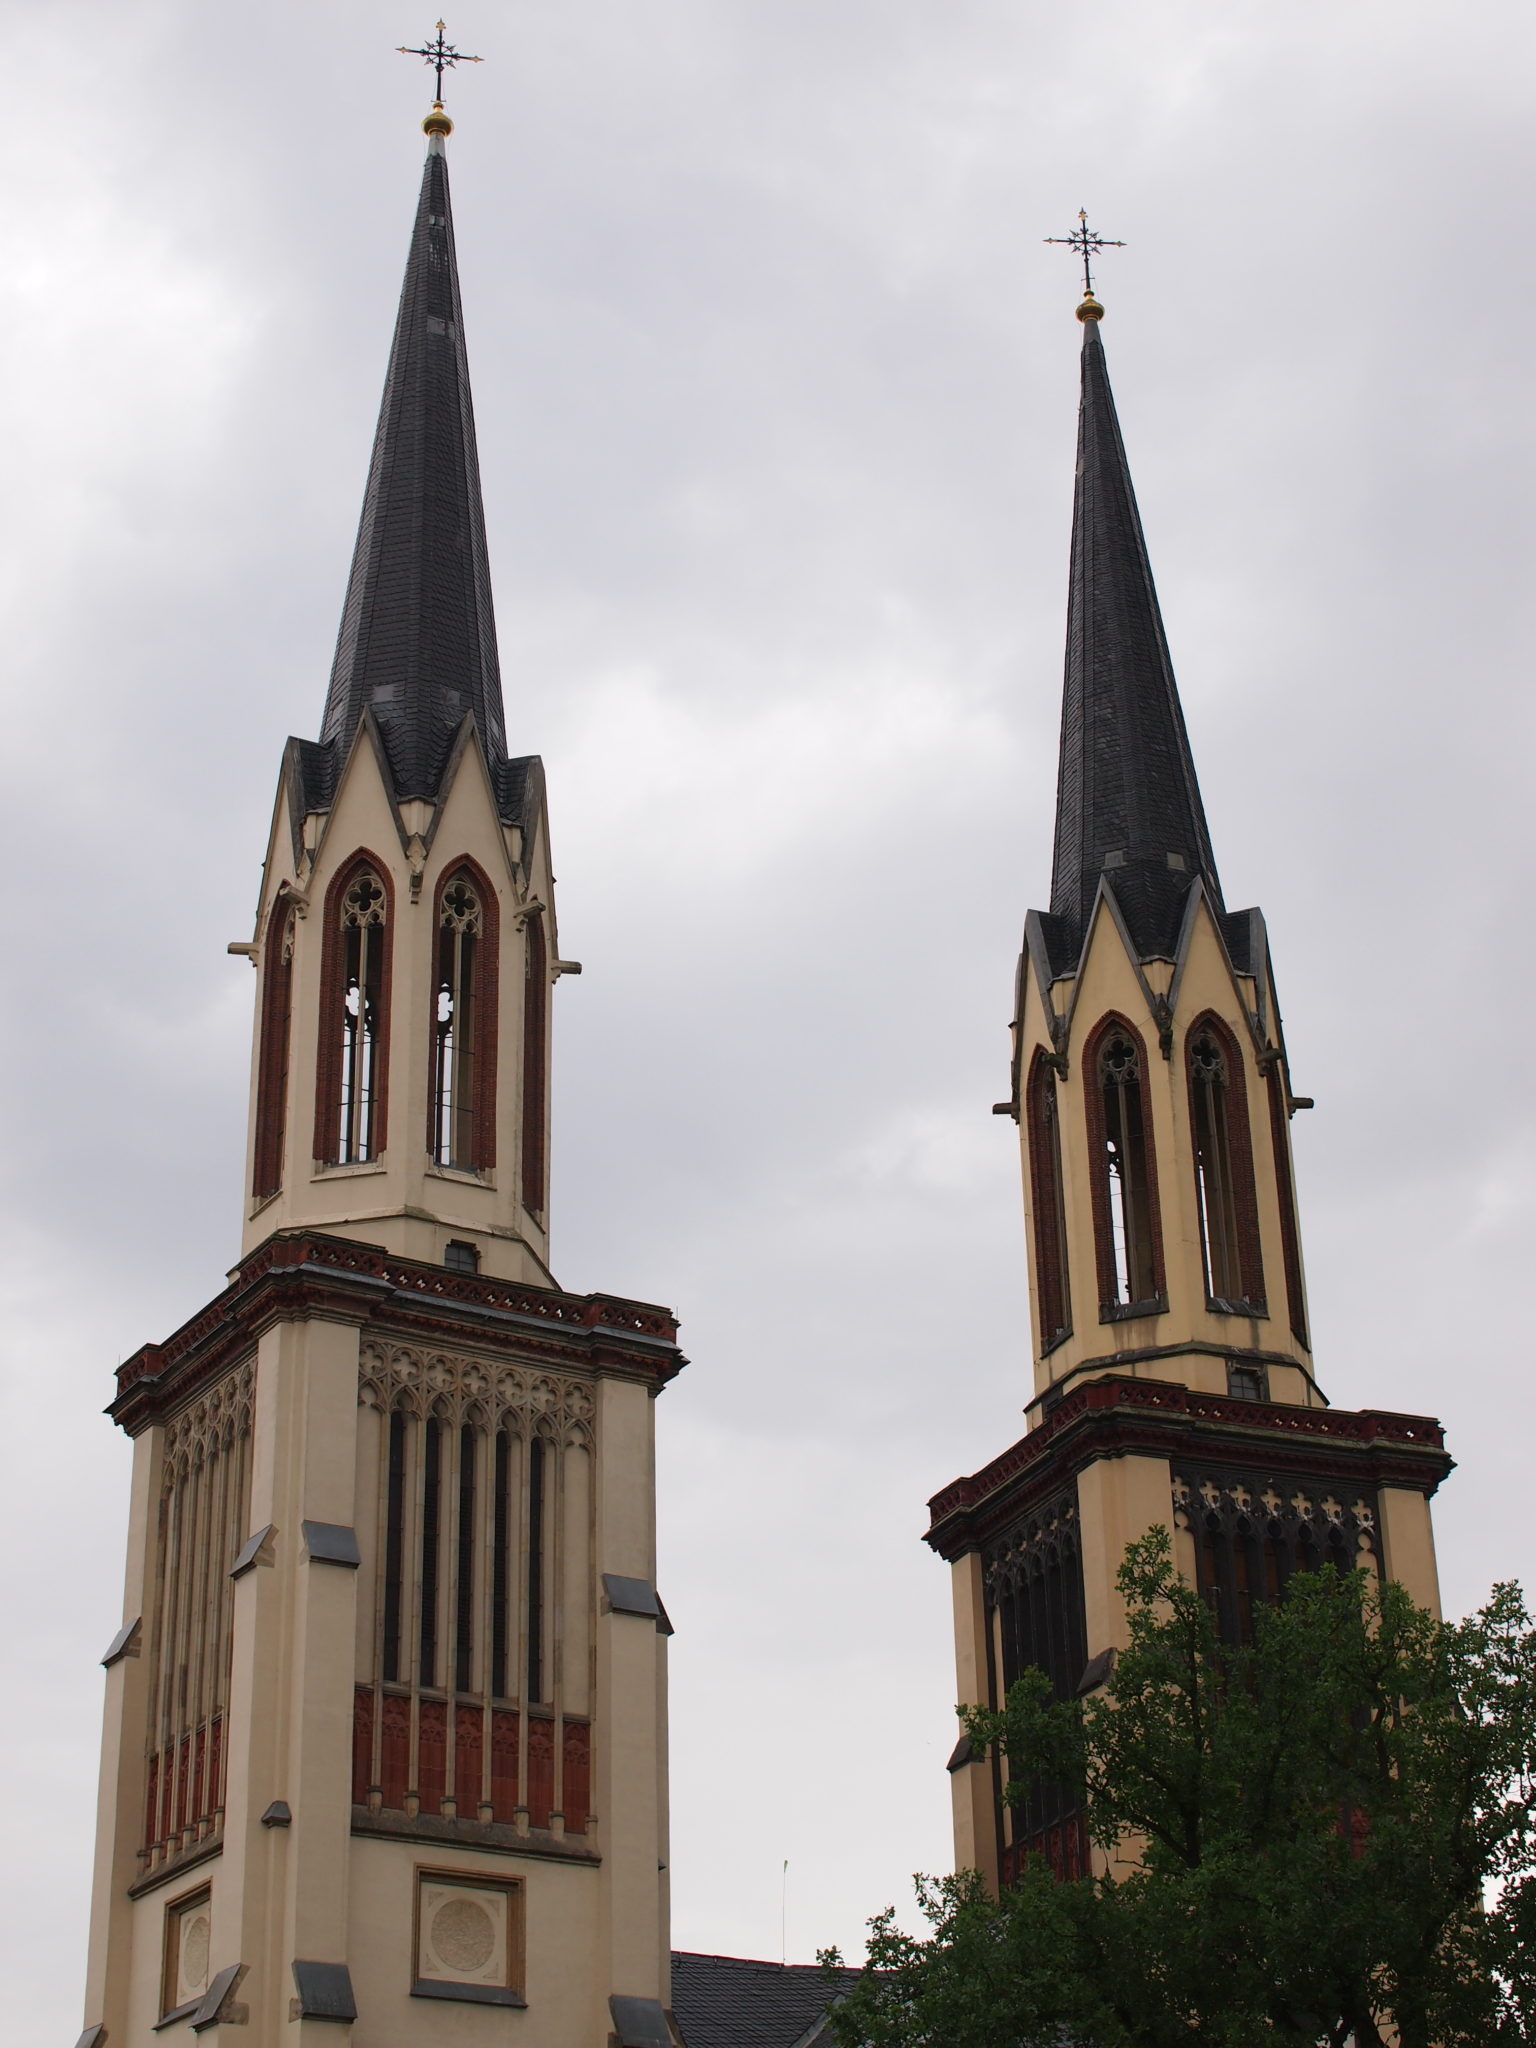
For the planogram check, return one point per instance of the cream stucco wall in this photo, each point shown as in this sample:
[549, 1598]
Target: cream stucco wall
[403, 1201]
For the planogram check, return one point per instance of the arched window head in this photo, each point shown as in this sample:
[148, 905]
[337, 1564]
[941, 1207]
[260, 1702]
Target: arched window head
[535, 1068]
[352, 1072]
[1053, 1293]
[1125, 1203]
[272, 1058]
[362, 924]
[1225, 1202]
[461, 1126]
[456, 1026]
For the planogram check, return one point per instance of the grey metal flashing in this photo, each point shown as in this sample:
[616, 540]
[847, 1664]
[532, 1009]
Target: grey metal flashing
[217, 2001]
[177, 1866]
[332, 1543]
[1198, 1347]
[640, 2023]
[468, 1994]
[1096, 1672]
[663, 1619]
[253, 1551]
[631, 1596]
[93, 2037]
[126, 1643]
[964, 1752]
[325, 1991]
[492, 1837]
[278, 1815]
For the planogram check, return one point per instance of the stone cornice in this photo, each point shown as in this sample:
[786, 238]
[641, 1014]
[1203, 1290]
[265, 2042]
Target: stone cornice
[1111, 1418]
[303, 1273]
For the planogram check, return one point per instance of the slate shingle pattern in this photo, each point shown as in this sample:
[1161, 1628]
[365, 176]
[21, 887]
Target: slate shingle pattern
[1126, 792]
[418, 634]
[730, 2002]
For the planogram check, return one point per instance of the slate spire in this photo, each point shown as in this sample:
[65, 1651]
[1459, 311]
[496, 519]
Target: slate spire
[418, 636]
[1127, 803]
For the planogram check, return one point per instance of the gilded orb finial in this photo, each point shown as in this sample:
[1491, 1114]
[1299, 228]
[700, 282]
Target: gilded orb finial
[1090, 309]
[441, 56]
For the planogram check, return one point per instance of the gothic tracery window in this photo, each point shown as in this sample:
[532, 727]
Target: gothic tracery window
[272, 1059]
[1125, 1208]
[362, 923]
[352, 1078]
[1226, 1204]
[456, 1025]
[1052, 1281]
[535, 1067]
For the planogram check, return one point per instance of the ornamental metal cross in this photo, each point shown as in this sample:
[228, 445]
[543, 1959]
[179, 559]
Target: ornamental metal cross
[1087, 244]
[441, 55]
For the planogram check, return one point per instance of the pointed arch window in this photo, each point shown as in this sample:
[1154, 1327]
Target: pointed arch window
[463, 1130]
[1053, 1292]
[1126, 1223]
[1290, 1235]
[1226, 1205]
[351, 1096]
[272, 1059]
[535, 1067]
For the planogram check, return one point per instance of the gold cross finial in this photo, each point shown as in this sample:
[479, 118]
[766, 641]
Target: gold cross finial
[441, 55]
[1087, 244]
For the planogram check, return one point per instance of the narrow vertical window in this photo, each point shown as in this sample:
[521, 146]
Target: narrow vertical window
[1053, 1295]
[1214, 1202]
[500, 1565]
[536, 1569]
[1290, 1235]
[272, 1060]
[431, 1523]
[1225, 1202]
[535, 1066]
[1125, 1208]
[362, 919]
[464, 1619]
[457, 1026]
[394, 1547]
[353, 1073]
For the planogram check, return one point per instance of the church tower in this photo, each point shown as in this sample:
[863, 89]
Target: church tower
[386, 1720]
[1173, 1379]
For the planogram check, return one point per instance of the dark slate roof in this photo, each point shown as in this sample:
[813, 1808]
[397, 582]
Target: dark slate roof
[418, 638]
[1126, 796]
[730, 2002]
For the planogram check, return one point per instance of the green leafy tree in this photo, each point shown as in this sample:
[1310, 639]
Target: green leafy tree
[1326, 1836]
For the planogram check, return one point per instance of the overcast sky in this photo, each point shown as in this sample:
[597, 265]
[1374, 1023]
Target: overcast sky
[776, 388]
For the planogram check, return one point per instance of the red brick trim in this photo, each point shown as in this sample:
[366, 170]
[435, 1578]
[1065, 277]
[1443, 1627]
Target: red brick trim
[487, 1009]
[1113, 1417]
[1098, 1144]
[1053, 1291]
[301, 1273]
[1245, 1201]
[272, 1058]
[332, 967]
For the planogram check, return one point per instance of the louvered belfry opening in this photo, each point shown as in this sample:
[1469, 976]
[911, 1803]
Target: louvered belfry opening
[1034, 1582]
[201, 1518]
[477, 1707]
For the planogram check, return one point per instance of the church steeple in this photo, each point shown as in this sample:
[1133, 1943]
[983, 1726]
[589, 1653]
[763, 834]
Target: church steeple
[1173, 1371]
[386, 1720]
[418, 634]
[1128, 806]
